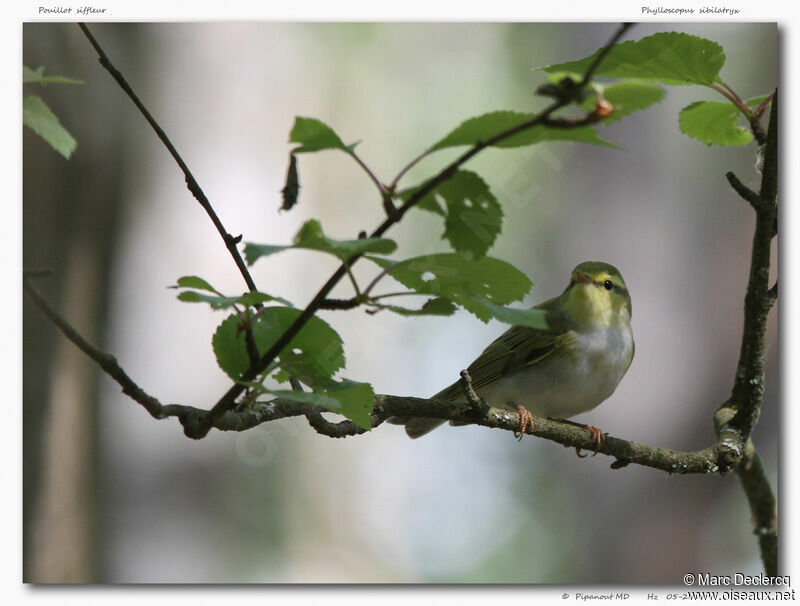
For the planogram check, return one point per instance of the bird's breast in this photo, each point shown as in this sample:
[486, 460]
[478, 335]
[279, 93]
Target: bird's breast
[564, 386]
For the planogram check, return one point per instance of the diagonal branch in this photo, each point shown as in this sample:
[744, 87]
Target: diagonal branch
[191, 182]
[104, 360]
[228, 400]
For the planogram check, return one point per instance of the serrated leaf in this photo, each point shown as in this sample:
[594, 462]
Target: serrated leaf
[222, 302]
[194, 282]
[316, 350]
[714, 123]
[30, 76]
[626, 98]
[433, 307]
[534, 318]
[460, 279]
[473, 218]
[486, 126]
[349, 398]
[314, 135]
[311, 237]
[38, 117]
[667, 57]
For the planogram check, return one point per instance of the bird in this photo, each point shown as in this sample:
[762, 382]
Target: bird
[566, 369]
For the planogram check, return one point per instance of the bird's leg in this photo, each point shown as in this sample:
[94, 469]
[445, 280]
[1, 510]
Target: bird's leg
[598, 436]
[525, 420]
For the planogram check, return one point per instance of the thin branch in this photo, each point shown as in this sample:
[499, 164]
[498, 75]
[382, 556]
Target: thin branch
[340, 304]
[763, 506]
[714, 459]
[106, 361]
[604, 53]
[758, 204]
[572, 122]
[191, 182]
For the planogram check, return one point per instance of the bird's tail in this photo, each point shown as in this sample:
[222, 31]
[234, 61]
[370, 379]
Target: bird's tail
[417, 427]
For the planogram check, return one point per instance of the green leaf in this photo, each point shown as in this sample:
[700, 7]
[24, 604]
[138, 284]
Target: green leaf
[37, 116]
[670, 57]
[534, 318]
[714, 123]
[460, 279]
[311, 237]
[314, 135]
[194, 282]
[222, 302]
[486, 126]
[626, 98]
[349, 398]
[755, 101]
[473, 216]
[30, 76]
[433, 307]
[316, 350]
[229, 347]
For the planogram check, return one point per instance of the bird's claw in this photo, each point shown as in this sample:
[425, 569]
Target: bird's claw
[598, 437]
[525, 420]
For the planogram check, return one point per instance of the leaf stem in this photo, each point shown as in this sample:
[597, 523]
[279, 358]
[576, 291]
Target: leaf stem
[731, 96]
[406, 168]
[381, 187]
[352, 279]
[398, 294]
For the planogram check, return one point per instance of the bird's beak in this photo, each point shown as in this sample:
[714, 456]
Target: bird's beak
[582, 278]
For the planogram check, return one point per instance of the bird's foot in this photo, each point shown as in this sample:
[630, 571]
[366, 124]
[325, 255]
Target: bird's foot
[525, 421]
[598, 437]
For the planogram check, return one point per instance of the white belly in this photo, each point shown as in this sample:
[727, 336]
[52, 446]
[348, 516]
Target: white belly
[555, 388]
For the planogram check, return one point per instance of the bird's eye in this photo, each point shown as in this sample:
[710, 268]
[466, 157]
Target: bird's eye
[608, 285]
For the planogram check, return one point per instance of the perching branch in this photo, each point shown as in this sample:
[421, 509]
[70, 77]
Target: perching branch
[714, 459]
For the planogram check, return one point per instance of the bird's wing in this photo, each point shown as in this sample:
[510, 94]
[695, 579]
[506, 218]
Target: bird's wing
[516, 348]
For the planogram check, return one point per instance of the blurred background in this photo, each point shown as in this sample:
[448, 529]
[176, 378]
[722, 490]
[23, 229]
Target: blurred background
[112, 495]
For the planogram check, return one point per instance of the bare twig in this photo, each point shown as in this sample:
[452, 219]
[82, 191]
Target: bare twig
[746, 193]
[763, 506]
[106, 361]
[191, 182]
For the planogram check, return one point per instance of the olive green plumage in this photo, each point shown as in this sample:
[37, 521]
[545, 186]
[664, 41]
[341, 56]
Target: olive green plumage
[569, 367]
